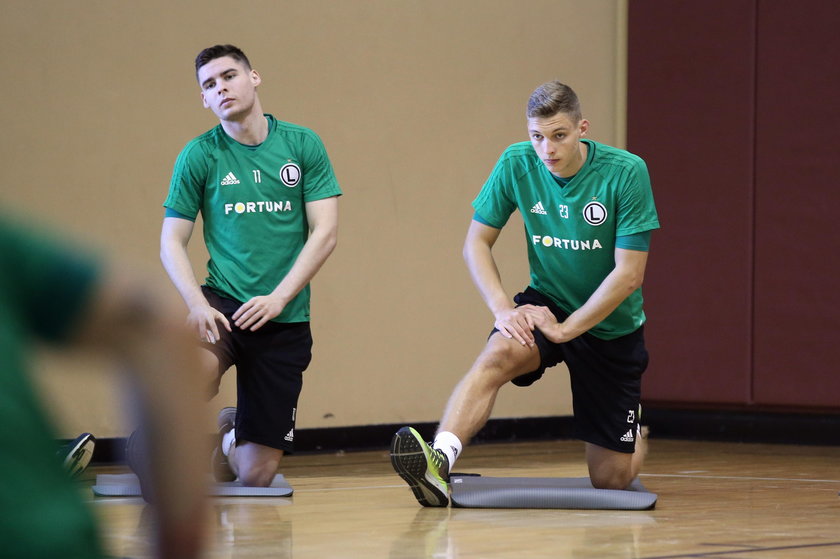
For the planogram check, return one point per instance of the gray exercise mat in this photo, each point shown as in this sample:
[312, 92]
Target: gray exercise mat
[472, 491]
[127, 485]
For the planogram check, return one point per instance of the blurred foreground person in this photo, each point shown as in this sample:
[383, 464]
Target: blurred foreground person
[52, 293]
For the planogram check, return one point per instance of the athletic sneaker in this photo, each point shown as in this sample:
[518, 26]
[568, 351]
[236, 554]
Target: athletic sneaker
[137, 459]
[226, 420]
[77, 454]
[425, 469]
[134, 455]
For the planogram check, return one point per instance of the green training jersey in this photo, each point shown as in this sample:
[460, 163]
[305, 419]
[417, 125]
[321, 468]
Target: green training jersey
[252, 200]
[571, 230]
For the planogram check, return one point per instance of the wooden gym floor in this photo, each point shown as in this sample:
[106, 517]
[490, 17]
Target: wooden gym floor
[716, 500]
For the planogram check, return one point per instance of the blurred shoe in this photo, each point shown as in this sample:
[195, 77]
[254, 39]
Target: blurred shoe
[77, 454]
[138, 460]
[222, 471]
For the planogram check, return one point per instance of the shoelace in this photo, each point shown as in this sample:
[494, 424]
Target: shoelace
[439, 460]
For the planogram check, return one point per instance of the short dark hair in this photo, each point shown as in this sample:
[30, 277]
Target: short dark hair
[218, 51]
[552, 98]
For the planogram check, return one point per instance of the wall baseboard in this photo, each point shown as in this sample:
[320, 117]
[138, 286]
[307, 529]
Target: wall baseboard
[710, 425]
[744, 426]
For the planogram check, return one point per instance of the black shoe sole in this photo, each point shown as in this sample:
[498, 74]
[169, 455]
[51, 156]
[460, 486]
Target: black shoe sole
[409, 461]
[79, 454]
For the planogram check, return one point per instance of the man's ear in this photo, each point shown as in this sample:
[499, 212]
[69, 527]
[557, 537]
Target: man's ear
[583, 127]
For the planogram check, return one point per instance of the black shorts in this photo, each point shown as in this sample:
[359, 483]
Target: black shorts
[269, 374]
[606, 379]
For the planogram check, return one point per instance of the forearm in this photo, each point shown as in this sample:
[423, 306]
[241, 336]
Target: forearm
[171, 413]
[485, 275]
[177, 264]
[615, 288]
[311, 258]
[132, 320]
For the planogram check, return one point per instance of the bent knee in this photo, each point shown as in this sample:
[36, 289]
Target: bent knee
[617, 479]
[256, 466]
[214, 381]
[257, 478]
[506, 361]
[212, 391]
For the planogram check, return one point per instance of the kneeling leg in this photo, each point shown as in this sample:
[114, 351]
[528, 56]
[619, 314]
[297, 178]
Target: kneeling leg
[254, 464]
[609, 469]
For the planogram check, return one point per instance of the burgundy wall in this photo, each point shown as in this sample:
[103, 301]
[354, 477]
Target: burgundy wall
[797, 286]
[732, 105]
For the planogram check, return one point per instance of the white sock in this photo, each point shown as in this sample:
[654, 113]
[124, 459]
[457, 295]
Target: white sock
[450, 445]
[227, 441]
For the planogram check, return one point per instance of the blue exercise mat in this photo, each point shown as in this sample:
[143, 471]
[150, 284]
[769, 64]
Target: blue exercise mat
[474, 491]
[127, 485]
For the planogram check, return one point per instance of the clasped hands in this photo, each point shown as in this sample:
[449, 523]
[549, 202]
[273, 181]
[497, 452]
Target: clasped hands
[519, 323]
[252, 315]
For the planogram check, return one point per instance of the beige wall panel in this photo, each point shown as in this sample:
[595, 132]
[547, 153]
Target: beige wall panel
[414, 101]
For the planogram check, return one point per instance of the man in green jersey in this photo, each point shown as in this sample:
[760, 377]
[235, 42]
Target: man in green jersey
[269, 201]
[51, 293]
[588, 213]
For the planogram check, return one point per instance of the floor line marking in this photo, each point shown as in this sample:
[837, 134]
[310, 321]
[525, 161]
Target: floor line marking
[744, 478]
[721, 552]
[314, 490]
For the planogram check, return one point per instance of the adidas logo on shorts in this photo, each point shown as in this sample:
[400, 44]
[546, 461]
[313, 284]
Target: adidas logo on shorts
[290, 436]
[628, 437]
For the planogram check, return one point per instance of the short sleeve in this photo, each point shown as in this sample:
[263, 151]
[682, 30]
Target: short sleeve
[636, 208]
[186, 188]
[495, 201]
[319, 180]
